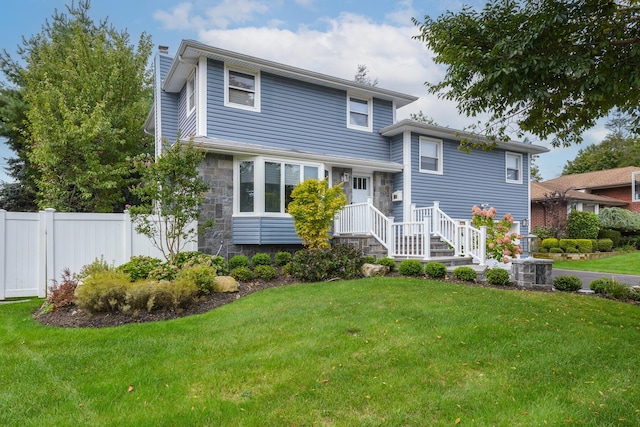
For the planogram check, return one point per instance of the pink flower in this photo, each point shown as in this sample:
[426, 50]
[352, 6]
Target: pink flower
[505, 260]
[506, 252]
[492, 245]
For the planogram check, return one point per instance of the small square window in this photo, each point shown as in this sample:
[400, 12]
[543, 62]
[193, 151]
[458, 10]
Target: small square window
[513, 168]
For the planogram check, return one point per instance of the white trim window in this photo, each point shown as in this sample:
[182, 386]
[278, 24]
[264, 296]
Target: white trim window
[191, 93]
[359, 113]
[635, 186]
[242, 89]
[430, 155]
[265, 185]
[513, 168]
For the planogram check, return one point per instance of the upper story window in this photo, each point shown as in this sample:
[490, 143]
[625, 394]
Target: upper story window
[191, 93]
[242, 89]
[430, 155]
[635, 186]
[359, 113]
[513, 162]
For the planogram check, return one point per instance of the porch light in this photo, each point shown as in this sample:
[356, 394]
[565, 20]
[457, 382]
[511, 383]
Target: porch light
[531, 245]
[524, 223]
[344, 177]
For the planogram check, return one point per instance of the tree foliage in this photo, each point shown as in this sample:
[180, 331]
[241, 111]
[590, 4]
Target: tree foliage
[618, 149]
[86, 92]
[549, 67]
[362, 76]
[313, 207]
[171, 195]
[582, 225]
[619, 219]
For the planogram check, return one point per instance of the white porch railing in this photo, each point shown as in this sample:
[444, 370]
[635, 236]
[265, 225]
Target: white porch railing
[413, 238]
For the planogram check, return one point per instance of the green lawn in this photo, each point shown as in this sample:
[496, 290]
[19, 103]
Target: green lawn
[373, 352]
[627, 263]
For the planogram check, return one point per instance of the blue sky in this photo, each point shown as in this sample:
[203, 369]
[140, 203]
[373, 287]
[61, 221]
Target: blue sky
[331, 37]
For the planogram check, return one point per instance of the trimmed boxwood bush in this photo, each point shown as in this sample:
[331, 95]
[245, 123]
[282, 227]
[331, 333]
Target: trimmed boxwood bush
[265, 272]
[614, 235]
[594, 245]
[556, 251]
[316, 265]
[283, 258]
[242, 273]
[435, 270]
[369, 259]
[389, 262]
[410, 267]
[498, 277]
[605, 245]
[570, 246]
[582, 225]
[567, 283]
[549, 243]
[584, 246]
[467, 274]
[238, 261]
[261, 259]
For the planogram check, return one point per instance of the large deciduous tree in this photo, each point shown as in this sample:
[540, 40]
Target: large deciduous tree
[549, 67]
[87, 92]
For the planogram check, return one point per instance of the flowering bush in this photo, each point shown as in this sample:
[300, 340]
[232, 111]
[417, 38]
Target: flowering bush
[501, 244]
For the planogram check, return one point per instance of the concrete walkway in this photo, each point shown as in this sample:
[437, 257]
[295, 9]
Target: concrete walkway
[588, 276]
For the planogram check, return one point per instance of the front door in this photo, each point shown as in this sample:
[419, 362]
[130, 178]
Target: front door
[361, 189]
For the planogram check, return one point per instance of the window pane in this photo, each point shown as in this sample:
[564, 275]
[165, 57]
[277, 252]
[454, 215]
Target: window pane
[272, 187]
[246, 187]
[241, 97]
[513, 175]
[428, 163]
[359, 106]
[242, 81]
[310, 172]
[359, 119]
[292, 178]
[429, 149]
[513, 162]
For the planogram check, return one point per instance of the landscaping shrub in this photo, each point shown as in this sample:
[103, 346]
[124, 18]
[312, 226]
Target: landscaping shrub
[498, 277]
[543, 232]
[594, 245]
[618, 219]
[286, 269]
[556, 251]
[389, 262]
[567, 283]
[570, 246]
[369, 259]
[139, 267]
[265, 272]
[238, 261]
[543, 250]
[584, 246]
[582, 225]
[467, 274]
[202, 275]
[97, 266]
[164, 271]
[191, 258]
[140, 296]
[614, 235]
[61, 294]
[410, 267]
[176, 295]
[634, 293]
[549, 243]
[242, 273]
[319, 264]
[605, 245]
[611, 288]
[283, 258]
[435, 270]
[105, 291]
[261, 259]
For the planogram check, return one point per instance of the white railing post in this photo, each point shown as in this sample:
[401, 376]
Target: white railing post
[3, 253]
[391, 239]
[368, 215]
[483, 245]
[436, 218]
[468, 249]
[426, 239]
[413, 212]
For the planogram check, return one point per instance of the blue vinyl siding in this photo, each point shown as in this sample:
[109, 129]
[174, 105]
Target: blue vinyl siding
[187, 124]
[295, 115]
[467, 180]
[264, 231]
[168, 102]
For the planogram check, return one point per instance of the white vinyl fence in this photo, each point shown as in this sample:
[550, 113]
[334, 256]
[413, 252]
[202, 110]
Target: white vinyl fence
[36, 247]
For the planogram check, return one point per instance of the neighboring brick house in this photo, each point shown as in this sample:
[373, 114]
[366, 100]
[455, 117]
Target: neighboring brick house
[590, 192]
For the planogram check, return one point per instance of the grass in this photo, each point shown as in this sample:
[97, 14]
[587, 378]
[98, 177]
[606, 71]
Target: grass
[373, 352]
[627, 263]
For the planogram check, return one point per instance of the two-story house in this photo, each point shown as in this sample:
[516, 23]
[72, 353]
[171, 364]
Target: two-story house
[267, 126]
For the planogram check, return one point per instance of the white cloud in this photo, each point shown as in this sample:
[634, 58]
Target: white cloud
[235, 12]
[177, 18]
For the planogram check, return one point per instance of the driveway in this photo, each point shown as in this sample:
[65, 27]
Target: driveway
[588, 276]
